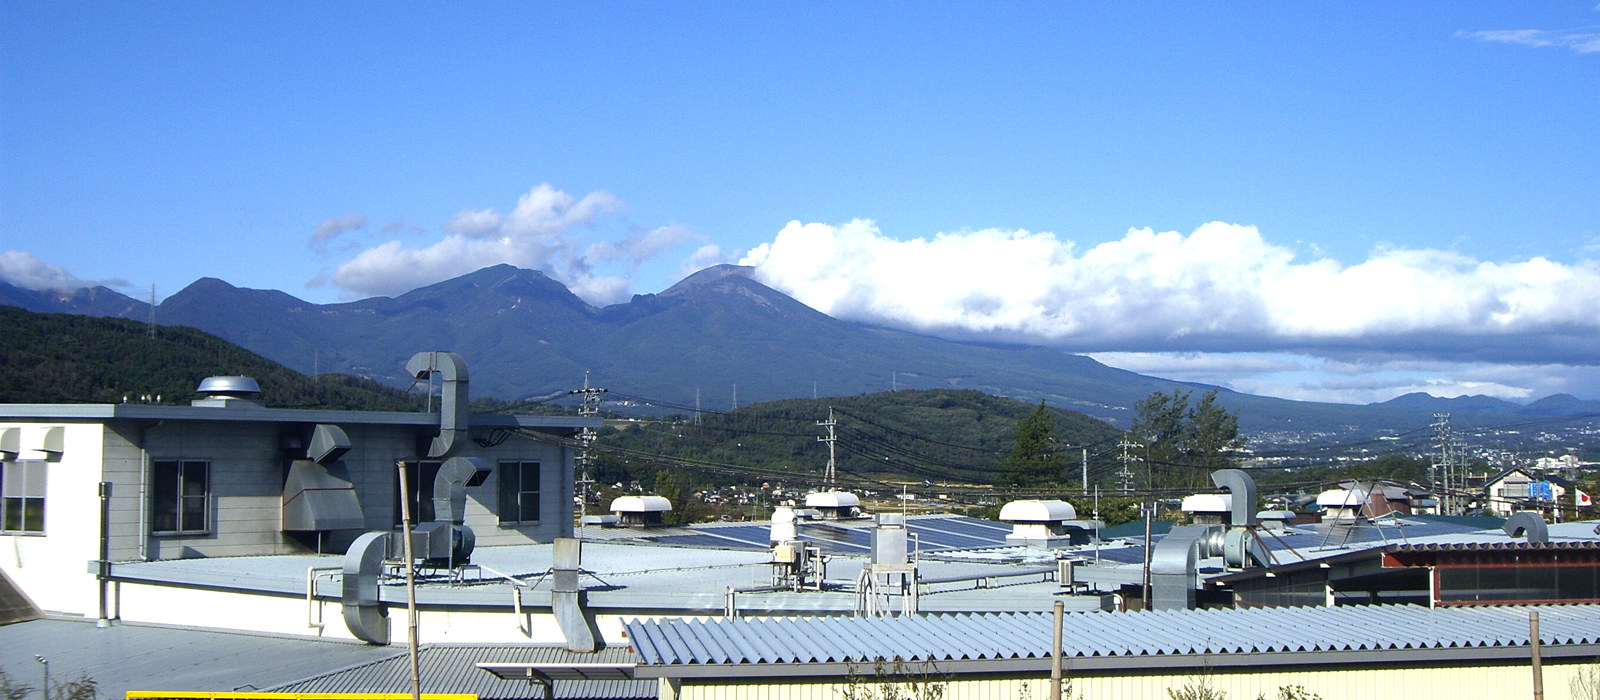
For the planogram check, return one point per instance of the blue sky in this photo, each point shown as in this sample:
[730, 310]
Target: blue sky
[337, 152]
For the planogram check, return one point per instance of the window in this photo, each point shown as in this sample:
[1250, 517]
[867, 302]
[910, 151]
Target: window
[421, 477]
[519, 492]
[180, 496]
[1516, 490]
[22, 497]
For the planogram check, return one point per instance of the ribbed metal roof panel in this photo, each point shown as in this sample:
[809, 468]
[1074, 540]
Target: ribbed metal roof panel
[1098, 634]
[453, 669]
[129, 656]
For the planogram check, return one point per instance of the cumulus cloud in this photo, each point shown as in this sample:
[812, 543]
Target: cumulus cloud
[541, 232]
[333, 228]
[1581, 40]
[24, 270]
[1221, 288]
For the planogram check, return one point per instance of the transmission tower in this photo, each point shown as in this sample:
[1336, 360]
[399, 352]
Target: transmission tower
[1128, 458]
[152, 312]
[586, 438]
[830, 424]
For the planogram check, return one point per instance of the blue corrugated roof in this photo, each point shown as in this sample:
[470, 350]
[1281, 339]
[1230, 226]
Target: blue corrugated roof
[938, 638]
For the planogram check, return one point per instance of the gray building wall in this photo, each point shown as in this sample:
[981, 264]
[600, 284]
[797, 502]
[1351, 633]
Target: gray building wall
[247, 473]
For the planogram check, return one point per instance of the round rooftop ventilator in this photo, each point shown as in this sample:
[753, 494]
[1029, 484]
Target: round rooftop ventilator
[640, 511]
[229, 387]
[834, 505]
[832, 499]
[1037, 512]
[1208, 503]
[640, 504]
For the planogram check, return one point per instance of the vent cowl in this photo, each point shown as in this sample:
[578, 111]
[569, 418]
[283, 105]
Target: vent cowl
[228, 392]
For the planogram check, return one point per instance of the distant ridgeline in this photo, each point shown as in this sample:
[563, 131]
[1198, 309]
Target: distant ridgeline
[64, 358]
[940, 435]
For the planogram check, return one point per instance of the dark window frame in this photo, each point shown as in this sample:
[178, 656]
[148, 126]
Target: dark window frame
[17, 514]
[517, 500]
[420, 474]
[175, 506]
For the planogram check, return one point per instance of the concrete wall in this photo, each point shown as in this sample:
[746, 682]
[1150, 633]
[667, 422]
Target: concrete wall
[1355, 682]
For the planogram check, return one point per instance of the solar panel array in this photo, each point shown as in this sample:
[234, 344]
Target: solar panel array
[943, 533]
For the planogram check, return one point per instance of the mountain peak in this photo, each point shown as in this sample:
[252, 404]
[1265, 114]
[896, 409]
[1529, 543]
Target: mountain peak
[708, 276]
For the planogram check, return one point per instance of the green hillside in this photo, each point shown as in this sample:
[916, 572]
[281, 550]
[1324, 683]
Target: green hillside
[64, 358]
[939, 435]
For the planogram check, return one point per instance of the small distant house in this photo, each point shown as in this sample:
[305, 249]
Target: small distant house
[1517, 489]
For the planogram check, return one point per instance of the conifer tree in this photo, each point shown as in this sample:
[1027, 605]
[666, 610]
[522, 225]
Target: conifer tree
[1034, 460]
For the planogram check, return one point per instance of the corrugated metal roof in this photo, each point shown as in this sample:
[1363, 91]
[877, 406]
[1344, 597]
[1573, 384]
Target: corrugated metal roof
[453, 669]
[139, 657]
[1506, 545]
[941, 638]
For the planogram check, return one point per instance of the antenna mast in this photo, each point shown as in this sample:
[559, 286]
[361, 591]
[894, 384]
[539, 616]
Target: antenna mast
[830, 423]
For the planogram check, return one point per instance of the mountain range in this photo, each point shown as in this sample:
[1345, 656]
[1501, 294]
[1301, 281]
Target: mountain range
[716, 337]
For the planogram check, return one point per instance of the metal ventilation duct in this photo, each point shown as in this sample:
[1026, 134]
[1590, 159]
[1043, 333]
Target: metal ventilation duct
[447, 541]
[1243, 489]
[453, 416]
[569, 601]
[364, 614]
[318, 495]
[1529, 524]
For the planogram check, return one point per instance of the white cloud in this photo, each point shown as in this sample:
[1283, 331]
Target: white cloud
[1581, 40]
[1309, 378]
[541, 232]
[24, 270]
[333, 228]
[1220, 288]
[641, 246]
[703, 257]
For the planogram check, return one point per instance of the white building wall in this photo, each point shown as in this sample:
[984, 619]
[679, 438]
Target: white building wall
[53, 568]
[285, 615]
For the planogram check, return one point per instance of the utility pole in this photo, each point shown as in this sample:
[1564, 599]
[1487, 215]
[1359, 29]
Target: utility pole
[586, 438]
[830, 423]
[583, 500]
[1128, 458]
[697, 405]
[1085, 471]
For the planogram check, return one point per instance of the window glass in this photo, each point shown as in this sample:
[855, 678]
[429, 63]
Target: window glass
[519, 492]
[180, 496]
[22, 496]
[420, 482]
